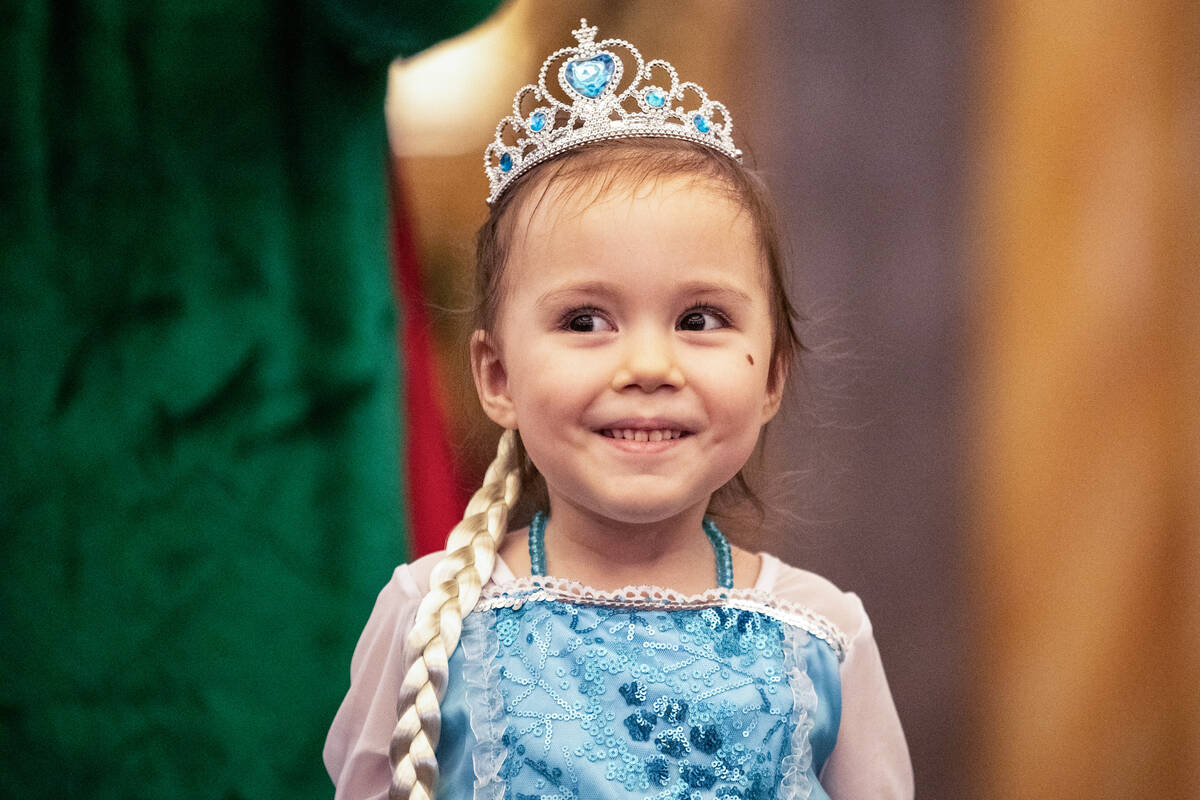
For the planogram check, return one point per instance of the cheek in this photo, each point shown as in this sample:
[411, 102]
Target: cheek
[741, 370]
[740, 392]
[549, 397]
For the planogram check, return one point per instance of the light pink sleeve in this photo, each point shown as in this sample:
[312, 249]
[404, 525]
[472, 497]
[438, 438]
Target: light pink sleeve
[871, 757]
[870, 760]
[356, 749]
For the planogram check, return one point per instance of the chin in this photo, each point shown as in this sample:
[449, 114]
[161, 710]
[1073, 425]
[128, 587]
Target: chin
[643, 510]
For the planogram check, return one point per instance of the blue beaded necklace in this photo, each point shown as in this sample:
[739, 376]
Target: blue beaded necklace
[720, 546]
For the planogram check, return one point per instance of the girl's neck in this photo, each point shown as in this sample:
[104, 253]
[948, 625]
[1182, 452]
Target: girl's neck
[608, 554]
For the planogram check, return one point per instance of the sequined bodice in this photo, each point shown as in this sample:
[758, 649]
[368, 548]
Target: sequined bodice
[557, 691]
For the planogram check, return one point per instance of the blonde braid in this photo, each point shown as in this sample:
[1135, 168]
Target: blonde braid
[454, 587]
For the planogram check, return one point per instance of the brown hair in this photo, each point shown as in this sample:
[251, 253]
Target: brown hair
[600, 167]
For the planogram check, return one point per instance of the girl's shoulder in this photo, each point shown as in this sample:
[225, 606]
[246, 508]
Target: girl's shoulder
[834, 614]
[412, 579]
[793, 586]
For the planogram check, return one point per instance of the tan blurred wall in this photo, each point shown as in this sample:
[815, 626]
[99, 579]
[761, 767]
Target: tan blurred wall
[1087, 478]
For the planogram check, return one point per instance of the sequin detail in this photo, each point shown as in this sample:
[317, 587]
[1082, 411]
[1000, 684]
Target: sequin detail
[679, 704]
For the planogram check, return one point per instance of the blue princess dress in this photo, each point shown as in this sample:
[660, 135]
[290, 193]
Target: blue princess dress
[559, 691]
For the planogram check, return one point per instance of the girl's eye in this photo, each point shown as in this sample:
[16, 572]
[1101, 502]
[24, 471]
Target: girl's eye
[586, 321]
[702, 319]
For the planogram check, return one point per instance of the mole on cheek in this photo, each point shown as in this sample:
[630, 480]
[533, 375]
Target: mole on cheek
[750, 358]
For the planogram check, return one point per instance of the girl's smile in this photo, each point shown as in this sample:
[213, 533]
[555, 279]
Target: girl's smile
[645, 436]
[620, 350]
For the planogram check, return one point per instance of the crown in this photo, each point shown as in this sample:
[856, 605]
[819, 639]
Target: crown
[589, 108]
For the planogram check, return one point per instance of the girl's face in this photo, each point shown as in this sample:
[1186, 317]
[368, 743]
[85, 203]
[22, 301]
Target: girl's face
[632, 347]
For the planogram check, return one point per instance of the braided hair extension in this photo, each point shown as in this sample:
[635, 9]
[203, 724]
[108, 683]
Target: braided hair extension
[454, 587]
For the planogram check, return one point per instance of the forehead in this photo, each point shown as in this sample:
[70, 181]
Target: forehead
[652, 230]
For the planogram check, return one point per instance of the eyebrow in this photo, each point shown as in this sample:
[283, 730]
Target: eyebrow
[607, 290]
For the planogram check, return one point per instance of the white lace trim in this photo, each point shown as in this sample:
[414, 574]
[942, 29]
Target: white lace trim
[794, 781]
[516, 593]
[481, 649]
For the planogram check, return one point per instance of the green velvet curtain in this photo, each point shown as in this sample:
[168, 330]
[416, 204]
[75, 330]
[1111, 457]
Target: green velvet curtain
[199, 430]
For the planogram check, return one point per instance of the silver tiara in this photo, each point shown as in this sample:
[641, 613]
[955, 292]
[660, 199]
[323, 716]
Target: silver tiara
[654, 103]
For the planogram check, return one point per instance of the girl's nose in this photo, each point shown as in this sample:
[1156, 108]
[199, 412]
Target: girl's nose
[649, 364]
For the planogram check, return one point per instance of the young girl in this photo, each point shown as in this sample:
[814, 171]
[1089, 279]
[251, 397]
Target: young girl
[634, 337]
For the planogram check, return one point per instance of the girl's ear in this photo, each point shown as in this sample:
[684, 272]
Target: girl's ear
[491, 380]
[774, 397]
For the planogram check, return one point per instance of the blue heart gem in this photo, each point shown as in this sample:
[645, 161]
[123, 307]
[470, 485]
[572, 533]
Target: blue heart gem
[589, 77]
[537, 121]
[701, 123]
[505, 162]
[656, 98]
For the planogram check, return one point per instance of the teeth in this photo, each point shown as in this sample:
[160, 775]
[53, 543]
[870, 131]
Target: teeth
[641, 435]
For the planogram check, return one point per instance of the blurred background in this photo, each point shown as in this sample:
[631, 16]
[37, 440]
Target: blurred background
[236, 280]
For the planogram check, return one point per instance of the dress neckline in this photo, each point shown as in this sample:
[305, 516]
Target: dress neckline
[769, 568]
[720, 545]
[508, 591]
